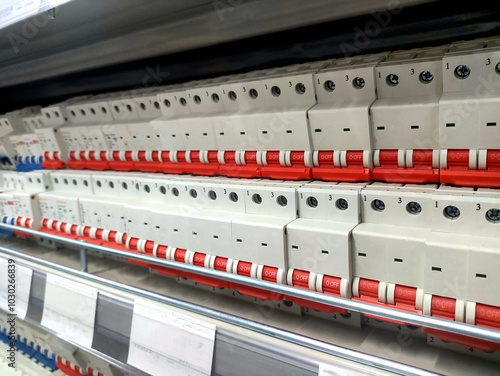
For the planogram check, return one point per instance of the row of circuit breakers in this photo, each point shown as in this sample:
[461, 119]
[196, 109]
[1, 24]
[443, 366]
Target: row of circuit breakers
[424, 123]
[431, 249]
[426, 115]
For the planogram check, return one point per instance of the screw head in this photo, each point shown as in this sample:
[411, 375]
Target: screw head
[378, 205]
[452, 212]
[312, 202]
[462, 71]
[342, 204]
[300, 88]
[359, 82]
[493, 215]
[392, 79]
[426, 76]
[329, 85]
[414, 208]
[497, 68]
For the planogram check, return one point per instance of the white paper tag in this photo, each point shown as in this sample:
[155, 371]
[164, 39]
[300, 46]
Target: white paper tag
[166, 342]
[69, 309]
[14, 278]
[12, 11]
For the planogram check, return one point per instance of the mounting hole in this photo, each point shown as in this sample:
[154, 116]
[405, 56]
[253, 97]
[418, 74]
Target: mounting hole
[287, 303]
[129, 107]
[497, 68]
[111, 185]
[57, 114]
[116, 108]
[253, 93]
[282, 200]
[86, 183]
[426, 76]
[312, 202]
[103, 110]
[358, 82]
[329, 86]
[66, 181]
[143, 106]
[163, 190]
[99, 184]
[215, 98]
[56, 180]
[451, 212]
[147, 189]
[75, 182]
[257, 199]
[493, 215]
[232, 95]
[124, 185]
[167, 103]
[300, 88]
[47, 115]
[197, 99]
[378, 205]
[342, 204]
[193, 193]
[157, 105]
[212, 195]
[392, 79]
[175, 192]
[462, 71]
[233, 196]
[276, 91]
[183, 102]
[82, 111]
[413, 208]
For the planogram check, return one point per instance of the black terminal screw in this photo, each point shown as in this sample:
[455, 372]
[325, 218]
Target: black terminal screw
[462, 71]
[493, 215]
[392, 79]
[413, 207]
[426, 76]
[378, 205]
[329, 85]
[359, 82]
[452, 212]
[342, 204]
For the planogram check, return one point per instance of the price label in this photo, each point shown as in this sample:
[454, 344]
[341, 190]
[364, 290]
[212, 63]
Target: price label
[163, 340]
[69, 309]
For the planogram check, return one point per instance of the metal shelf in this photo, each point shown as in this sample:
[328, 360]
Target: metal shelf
[365, 308]
[231, 336]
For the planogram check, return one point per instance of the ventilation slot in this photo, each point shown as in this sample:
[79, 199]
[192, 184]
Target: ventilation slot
[436, 269]
[450, 125]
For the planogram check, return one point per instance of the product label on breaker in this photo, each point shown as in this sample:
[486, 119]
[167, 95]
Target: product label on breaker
[15, 286]
[69, 309]
[162, 339]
